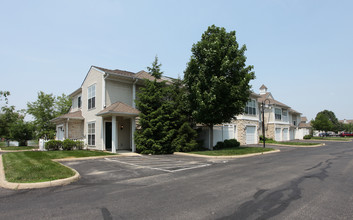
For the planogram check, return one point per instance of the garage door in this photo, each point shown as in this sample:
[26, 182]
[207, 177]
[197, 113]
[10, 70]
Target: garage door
[285, 134]
[250, 135]
[278, 134]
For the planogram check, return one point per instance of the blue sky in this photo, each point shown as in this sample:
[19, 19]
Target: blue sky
[301, 49]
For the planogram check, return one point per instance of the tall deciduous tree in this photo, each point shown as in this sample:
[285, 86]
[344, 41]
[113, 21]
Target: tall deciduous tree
[322, 123]
[217, 78]
[4, 95]
[46, 108]
[326, 121]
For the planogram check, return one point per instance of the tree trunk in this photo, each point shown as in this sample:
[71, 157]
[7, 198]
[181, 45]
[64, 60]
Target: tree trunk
[210, 144]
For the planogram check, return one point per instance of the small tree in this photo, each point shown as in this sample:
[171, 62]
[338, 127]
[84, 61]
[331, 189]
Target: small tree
[22, 131]
[217, 78]
[46, 108]
[7, 118]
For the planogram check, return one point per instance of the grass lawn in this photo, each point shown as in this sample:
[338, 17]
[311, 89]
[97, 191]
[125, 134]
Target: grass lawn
[31, 166]
[233, 151]
[289, 143]
[19, 148]
[333, 138]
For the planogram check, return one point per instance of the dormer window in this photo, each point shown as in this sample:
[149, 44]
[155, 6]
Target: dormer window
[250, 108]
[92, 96]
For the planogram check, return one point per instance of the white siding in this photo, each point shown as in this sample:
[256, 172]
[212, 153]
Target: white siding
[118, 92]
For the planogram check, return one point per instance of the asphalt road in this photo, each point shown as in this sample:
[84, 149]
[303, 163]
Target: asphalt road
[297, 183]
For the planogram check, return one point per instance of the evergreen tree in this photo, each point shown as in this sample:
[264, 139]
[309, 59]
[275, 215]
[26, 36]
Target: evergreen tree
[163, 124]
[155, 135]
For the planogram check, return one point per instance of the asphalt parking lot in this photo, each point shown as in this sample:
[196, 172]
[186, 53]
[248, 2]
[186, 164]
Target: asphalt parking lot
[297, 183]
[135, 168]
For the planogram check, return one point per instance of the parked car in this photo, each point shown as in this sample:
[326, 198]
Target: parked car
[346, 134]
[324, 135]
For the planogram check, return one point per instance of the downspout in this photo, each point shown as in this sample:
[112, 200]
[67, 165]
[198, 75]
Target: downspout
[134, 93]
[103, 91]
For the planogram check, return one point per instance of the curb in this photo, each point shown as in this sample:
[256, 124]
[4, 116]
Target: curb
[331, 141]
[60, 182]
[285, 145]
[92, 158]
[10, 185]
[225, 157]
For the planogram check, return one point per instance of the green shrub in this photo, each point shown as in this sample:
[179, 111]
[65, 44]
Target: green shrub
[53, 145]
[267, 139]
[308, 136]
[219, 145]
[79, 145]
[69, 144]
[230, 143]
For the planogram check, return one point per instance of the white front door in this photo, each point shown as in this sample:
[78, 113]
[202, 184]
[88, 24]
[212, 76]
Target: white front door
[250, 135]
[278, 134]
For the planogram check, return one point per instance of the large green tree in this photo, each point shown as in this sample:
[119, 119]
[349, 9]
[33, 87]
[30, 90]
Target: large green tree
[217, 78]
[46, 108]
[326, 121]
[4, 95]
[163, 127]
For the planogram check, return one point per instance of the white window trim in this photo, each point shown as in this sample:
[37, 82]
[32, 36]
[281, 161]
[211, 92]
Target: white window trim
[280, 119]
[249, 105]
[90, 96]
[88, 133]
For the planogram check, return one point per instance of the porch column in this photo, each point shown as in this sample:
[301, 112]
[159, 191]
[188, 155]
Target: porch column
[133, 127]
[114, 136]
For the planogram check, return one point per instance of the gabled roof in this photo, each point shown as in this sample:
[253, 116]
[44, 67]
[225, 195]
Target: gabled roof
[268, 95]
[304, 125]
[71, 115]
[117, 72]
[294, 111]
[139, 75]
[303, 119]
[119, 108]
[263, 87]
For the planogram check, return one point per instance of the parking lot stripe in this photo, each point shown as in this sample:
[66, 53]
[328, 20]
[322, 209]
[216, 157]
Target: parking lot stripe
[169, 166]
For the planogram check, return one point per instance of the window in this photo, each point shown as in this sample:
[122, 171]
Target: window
[250, 108]
[285, 115]
[92, 133]
[92, 96]
[278, 114]
[79, 102]
[294, 123]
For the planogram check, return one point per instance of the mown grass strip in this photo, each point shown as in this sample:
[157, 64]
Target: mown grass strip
[333, 138]
[19, 148]
[233, 151]
[30, 167]
[290, 143]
